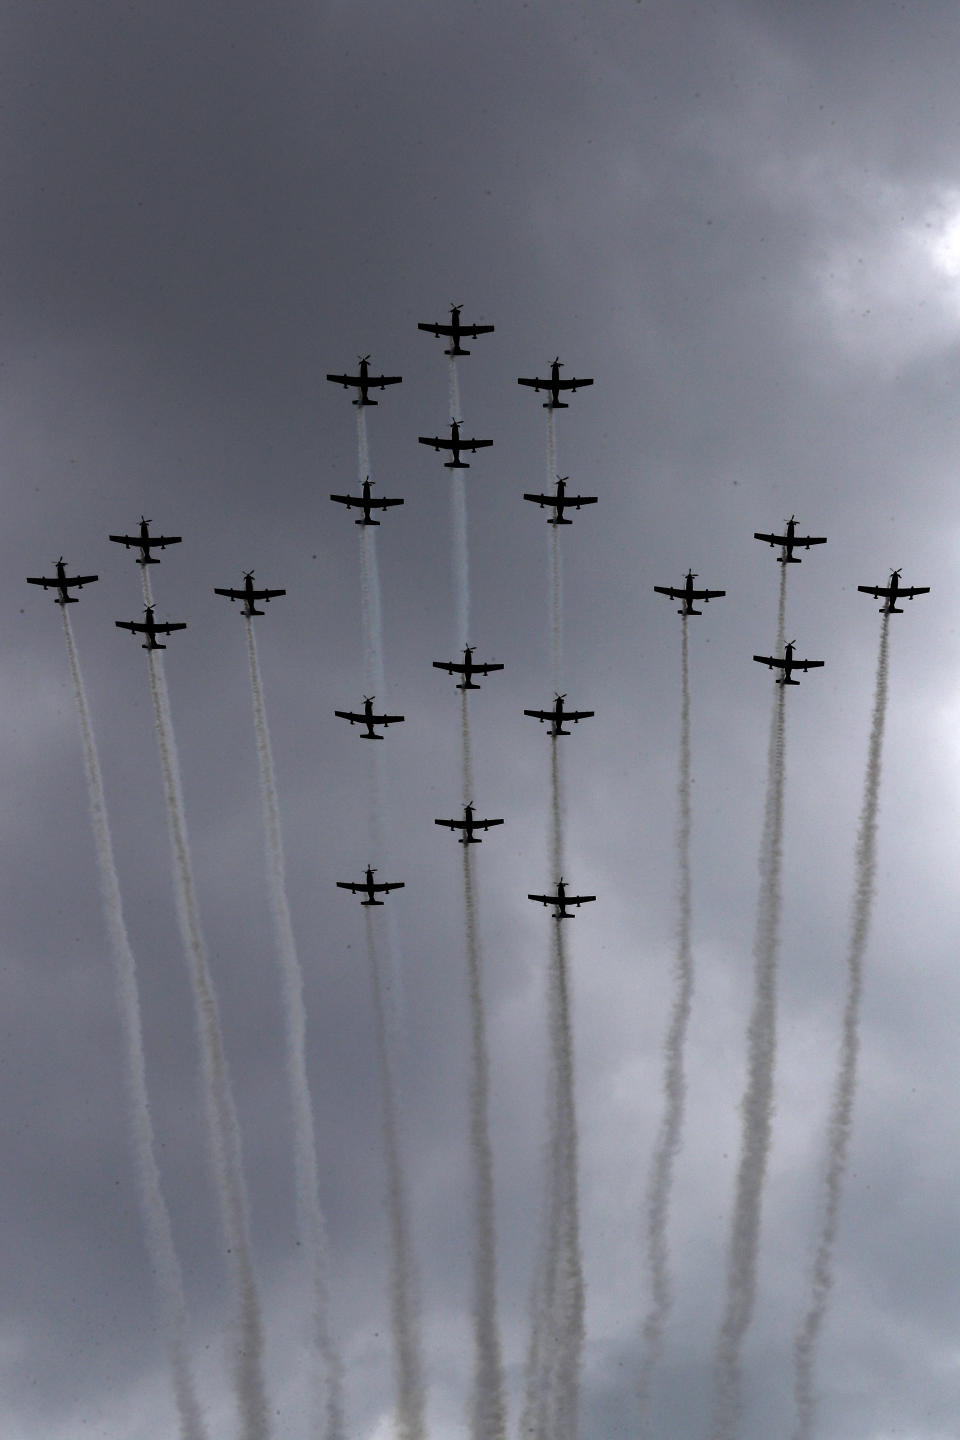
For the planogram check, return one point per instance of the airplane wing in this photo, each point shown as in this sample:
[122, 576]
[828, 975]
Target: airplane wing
[383, 380]
[572, 384]
[534, 382]
[878, 590]
[770, 539]
[474, 445]
[386, 719]
[472, 330]
[807, 540]
[127, 540]
[389, 885]
[355, 886]
[378, 504]
[452, 667]
[350, 715]
[541, 714]
[771, 660]
[485, 824]
[131, 625]
[343, 380]
[440, 329]
[348, 500]
[437, 441]
[544, 899]
[807, 664]
[578, 714]
[88, 579]
[166, 628]
[579, 500]
[542, 500]
[267, 594]
[578, 899]
[705, 594]
[39, 580]
[231, 594]
[163, 541]
[450, 824]
[914, 589]
[483, 669]
[669, 590]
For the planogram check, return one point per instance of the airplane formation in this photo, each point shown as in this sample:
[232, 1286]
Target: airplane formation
[466, 668]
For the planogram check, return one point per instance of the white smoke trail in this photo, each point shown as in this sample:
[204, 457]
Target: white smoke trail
[363, 448]
[156, 1218]
[309, 1212]
[488, 1410]
[557, 1298]
[461, 557]
[453, 388]
[371, 614]
[757, 1105]
[845, 1084]
[674, 1080]
[404, 1289]
[551, 448]
[556, 609]
[218, 1101]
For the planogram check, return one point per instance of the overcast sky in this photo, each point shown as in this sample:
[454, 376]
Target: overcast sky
[743, 220]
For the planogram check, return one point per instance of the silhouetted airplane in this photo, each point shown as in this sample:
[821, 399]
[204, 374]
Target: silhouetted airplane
[146, 542]
[365, 502]
[364, 381]
[561, 499]
[367, 886]
[468, 825]
[789, 540]
[151, 628]
[368, 718]
[893, 592]
[248, 595]
[554, 385]
[467, 668]
[687, 594]
[561, 900]
[456, 331]
[788, 664]
[62, 583]
[557, 716]
[456, 445]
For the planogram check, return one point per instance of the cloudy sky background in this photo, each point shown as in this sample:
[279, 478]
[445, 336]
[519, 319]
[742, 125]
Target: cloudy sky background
[744, 222]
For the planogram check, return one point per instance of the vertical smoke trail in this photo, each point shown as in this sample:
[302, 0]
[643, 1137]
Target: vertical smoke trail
[674, 1080]
[551, 448]
[757, 1105]
[309, 1213]
[453, 388]
[156, 1218]
[461, 557]
[404, 1290]
[557, 1297]
[841, 1114]
[488, 1410]
[556, 608]
[371, 615]
[218, 1100]
[363, 449]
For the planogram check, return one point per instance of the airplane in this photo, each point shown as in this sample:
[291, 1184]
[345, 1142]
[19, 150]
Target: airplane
[368, 718]
[467, 668]
[893, 592]
[468, 825]
[455, 444]
[788, 664]
[557, 716]
[456, 331]
[151, 628]
[146, 542]
[554, 385]
[368, 885]
[687, 594]
[560, 500]
[789, 540]
[248, 595]
[60, 582]
[365, 502]
[364, 380]
[561, 900]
